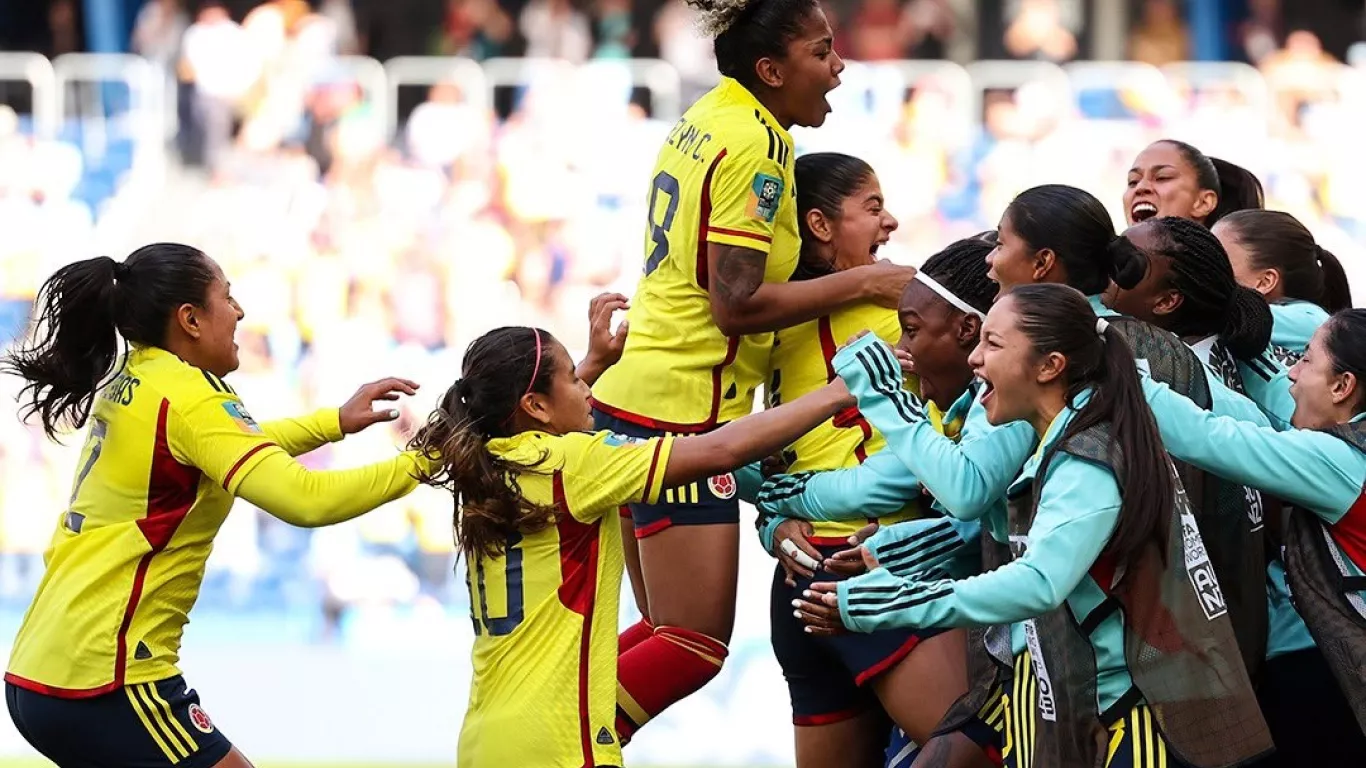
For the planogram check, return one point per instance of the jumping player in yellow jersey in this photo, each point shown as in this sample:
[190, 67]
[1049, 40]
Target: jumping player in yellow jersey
[537, 496]
[93, 677]
[720, 246]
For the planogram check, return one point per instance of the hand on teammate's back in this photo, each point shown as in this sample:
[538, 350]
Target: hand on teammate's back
[885, 282]
[359, 412]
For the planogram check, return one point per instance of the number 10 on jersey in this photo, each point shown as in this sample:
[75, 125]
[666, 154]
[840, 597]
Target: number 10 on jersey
[661, 221]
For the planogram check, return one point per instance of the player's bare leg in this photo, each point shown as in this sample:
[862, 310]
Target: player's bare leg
[631, 549]
[919, 690]
[690, 576]
[858, 742]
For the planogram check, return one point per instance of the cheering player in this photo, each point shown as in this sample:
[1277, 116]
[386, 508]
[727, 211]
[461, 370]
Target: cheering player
[721, 243]
[93, 676]
[534, 485]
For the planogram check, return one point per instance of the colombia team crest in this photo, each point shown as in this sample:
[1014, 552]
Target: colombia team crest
[200, 718]
[722, 486]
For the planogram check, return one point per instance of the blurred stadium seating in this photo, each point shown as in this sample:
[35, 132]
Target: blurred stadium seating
[365, 240]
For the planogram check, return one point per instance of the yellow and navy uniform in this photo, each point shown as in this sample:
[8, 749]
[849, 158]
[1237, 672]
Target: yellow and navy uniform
[801, 363]
[169, 446]
[545, 611]
[724, 175]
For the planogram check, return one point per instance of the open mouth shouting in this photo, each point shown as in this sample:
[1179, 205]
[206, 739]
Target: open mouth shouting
[1142, 211]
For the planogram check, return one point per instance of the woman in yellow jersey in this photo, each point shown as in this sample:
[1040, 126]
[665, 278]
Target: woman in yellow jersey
[843, 689]
[93, 677]
[537, 494]
[721, 244]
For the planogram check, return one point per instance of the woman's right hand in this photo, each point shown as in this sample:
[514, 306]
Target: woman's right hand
[796, 531]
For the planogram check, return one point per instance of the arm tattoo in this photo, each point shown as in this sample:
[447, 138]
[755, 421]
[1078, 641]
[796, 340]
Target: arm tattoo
[739, 273]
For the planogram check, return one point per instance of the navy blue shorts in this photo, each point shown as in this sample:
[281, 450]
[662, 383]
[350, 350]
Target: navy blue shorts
[826, 675]
[706, 502]
[149, 725]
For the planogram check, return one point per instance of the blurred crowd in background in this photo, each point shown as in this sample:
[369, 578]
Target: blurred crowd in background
[360, 249]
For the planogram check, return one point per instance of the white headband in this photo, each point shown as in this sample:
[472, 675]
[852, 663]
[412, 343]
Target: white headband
[947, 295]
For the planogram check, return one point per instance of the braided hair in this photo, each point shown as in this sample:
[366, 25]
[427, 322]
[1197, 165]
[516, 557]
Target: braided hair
[962, 268]
[1212, 301]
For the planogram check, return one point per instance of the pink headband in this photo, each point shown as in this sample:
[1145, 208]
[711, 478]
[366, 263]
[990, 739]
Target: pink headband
[535, 371]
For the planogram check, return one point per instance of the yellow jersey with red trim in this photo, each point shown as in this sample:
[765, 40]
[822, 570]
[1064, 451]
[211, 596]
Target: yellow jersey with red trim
[168, 445]
[544, 690]
[802, 363]
[724, 175]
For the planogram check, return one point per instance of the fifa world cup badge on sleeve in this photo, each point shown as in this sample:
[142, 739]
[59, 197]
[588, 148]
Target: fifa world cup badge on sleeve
[240, 416]
[764, 197]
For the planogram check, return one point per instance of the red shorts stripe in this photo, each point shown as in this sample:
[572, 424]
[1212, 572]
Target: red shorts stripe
[646, 531]
[889, 662]
[807, 721]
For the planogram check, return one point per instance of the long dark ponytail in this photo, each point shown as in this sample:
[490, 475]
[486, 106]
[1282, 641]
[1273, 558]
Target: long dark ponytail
[500, 368]
[1276, 240]
[1059, 319]
[83, 309]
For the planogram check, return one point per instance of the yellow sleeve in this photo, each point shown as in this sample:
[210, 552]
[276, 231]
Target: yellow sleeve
[602, 471]
[286, 489]
[308, 433]
[215, 434]
[748, 189]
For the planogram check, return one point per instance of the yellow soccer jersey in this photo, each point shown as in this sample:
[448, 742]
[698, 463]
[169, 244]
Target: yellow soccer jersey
[544, 691]
[725, 175]
[168, 445]
[801, 363]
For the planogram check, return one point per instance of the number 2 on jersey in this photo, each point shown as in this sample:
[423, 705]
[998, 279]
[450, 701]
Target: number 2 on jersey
[659, 230]
[516, 607]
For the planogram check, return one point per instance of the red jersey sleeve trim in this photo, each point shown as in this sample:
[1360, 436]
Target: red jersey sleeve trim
[741, 233]
[227, 479]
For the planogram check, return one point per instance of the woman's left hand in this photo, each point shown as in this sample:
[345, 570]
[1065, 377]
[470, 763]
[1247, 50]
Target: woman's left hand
[358, 412]
[819, 609]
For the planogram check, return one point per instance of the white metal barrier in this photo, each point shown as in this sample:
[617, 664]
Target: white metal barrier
[1014, 75]
[433, 70]
[1136, 78]
[37, 71]
[552, 80]
[82, 74]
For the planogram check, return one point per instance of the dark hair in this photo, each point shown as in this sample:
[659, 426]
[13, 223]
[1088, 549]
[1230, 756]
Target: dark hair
[497, 372]
[1074, 225]
[745, 31]
[1237, 188]
[1276, 240]
[824, 181]
[1212, 300]
[83, 309]
[1343, 334]
[962, 268]
[1057, 318]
